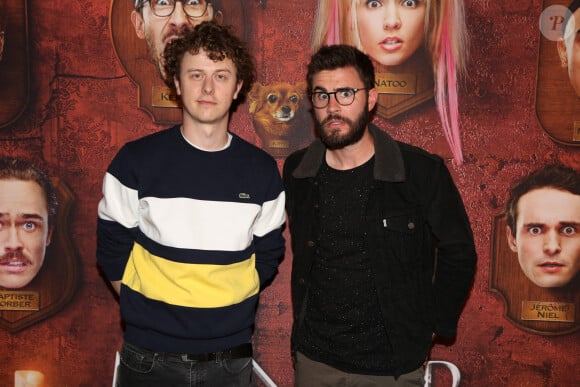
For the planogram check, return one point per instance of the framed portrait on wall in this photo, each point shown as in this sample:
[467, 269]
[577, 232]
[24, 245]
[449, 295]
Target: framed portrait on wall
[14, 60]
[540, 310]
[26, 299]
[558, 81]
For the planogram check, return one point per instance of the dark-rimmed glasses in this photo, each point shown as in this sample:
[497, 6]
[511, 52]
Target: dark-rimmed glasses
[164, 8]
[344, 96]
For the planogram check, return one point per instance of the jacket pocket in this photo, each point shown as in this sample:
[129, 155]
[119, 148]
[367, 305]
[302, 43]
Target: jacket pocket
[403, 234]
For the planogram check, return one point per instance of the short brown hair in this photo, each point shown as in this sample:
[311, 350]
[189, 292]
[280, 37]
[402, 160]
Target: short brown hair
[12, 168]
[551, 176]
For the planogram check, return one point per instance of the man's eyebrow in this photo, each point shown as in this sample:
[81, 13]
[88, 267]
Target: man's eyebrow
[195, 69]
[31, 216]
[534, 224]
[560, 223]
[26, 216]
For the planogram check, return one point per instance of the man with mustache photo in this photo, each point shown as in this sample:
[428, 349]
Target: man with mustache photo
[28, 208]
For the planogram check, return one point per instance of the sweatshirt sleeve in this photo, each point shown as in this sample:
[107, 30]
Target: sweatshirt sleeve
[117, 216]
[268, 240]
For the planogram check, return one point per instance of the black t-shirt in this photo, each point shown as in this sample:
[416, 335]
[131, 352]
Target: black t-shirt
[343, 326]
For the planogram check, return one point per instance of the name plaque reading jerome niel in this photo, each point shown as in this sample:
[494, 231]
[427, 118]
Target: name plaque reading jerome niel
[19, 300]
[389, 83]
[548, 311]
[164, 97]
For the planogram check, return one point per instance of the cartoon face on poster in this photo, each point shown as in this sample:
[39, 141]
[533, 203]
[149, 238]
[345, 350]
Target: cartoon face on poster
[38, 269]
[409, 42]
[558, 81]
[536, 252]
[14, 65]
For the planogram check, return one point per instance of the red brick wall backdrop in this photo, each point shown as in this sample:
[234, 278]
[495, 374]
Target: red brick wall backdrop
[83, 108]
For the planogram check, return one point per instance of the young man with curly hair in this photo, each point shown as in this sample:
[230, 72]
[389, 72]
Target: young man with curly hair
[190, 226]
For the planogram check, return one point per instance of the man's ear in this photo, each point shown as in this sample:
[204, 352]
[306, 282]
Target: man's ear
[561, 45]
[177, 85]
[239, 87]
[138, 24]
[49, 236]
[373, 96]
[511, 240]
[219, 17]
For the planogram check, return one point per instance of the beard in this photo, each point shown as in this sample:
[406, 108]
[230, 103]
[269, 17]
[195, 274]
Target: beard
[333, 139]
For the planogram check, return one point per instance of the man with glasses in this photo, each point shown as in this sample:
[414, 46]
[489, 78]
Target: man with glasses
[384, 256]
[162, 21]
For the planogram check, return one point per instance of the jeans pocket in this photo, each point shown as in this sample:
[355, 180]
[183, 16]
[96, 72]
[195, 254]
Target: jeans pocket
[136, 360]
[238, 366]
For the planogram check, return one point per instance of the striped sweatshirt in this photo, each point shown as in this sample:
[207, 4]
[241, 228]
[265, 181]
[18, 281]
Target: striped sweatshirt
[193, 236]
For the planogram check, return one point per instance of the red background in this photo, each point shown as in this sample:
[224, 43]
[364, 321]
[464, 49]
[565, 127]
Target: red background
[83, 108]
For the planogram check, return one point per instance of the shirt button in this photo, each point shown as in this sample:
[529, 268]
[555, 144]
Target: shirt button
[411, 225]
[310, 244]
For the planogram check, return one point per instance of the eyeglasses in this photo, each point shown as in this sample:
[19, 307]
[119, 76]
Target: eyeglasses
[344, 96]
[164, 8]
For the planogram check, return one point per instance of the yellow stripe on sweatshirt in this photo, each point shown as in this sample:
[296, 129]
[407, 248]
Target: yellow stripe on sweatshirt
[190, 285]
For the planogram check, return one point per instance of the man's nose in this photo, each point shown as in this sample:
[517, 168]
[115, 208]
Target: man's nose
[333, 105]
[552, 243]
[10, 240]
[179, 17]
[208, 85]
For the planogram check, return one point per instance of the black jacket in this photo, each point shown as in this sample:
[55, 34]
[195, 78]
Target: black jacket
[420, 243]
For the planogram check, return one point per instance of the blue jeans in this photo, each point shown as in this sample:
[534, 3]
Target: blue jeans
[140, 368]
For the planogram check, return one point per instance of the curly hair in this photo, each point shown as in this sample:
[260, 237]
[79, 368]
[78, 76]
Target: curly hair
[218, 42]
[18, 169]
[553, 176]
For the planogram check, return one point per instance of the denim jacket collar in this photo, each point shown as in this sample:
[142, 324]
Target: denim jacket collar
[389, 165]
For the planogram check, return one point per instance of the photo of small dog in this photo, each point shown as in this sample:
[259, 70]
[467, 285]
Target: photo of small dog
[281, 117]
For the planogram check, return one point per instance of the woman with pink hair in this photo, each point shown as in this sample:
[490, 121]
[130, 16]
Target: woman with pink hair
[393, 31]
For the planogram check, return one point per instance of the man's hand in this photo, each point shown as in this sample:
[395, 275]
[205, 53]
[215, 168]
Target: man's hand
[116, 286]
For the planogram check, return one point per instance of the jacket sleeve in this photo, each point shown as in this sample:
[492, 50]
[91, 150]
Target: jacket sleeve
[456, 256]
[269, 243]
[289, 165]
[117, 217]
